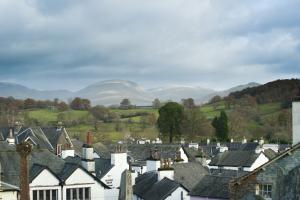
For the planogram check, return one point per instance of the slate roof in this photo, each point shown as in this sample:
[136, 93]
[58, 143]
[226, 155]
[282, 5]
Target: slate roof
[270, 154]
[39, 159]
[53, 134]
[211, 186]
[8, 187]
[161, 190]
[227, 173]
[210, 150]
[144, 182]
[37, 135]
[234, 159]
[191, 153]
[249, 146]
[189, 174]
[102, 167]
[141, 152]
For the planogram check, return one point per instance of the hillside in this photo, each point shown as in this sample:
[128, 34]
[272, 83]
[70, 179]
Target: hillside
[275, 91]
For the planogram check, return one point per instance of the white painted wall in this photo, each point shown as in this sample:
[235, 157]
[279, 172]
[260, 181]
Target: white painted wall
[176, 195]
[9, 195]
[152, 165]
[80, 179]
[262, 159]
[183, 156]
[67, 152]
[296, 122]
[45, 181]
[165, 173]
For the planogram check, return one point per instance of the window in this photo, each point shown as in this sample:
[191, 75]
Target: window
[265, 191]
[45, 195]
[79, 193]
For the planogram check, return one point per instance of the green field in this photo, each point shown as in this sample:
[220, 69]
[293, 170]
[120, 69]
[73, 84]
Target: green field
[130, 125]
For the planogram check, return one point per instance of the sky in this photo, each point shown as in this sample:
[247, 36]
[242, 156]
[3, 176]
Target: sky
[68, 44]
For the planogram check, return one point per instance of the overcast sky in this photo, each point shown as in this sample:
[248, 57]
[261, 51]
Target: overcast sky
[55, 44]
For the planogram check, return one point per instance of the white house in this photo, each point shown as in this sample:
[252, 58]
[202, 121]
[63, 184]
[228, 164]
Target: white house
[238, 160]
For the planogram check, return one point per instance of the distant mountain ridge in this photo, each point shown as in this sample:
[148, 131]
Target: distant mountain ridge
[111, 92]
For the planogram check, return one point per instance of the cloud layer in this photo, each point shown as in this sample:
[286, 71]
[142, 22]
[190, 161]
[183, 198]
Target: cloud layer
[51, 44]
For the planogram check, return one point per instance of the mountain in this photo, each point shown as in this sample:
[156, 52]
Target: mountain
[111, 92]
[176, 93]
[21, 92]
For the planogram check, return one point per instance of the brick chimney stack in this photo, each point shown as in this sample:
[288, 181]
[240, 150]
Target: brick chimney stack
[89, 139]
[24, 150]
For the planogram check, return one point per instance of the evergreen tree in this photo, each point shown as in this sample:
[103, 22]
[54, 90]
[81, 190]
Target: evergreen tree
[221, 126]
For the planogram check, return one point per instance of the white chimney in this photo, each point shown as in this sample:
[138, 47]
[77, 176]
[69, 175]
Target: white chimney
[296, 119]
[244, 141]
[11, 137]
[261, 141]
[119, 158]
[88, 161]
[165, 171]
[153, 162]
[207, 141]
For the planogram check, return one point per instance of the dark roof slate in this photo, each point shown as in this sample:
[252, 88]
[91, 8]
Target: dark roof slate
[270, 154]
[102, 167]
[211, 186]
[189, 174]
[234, 159]
[161, 190]
[144, 182]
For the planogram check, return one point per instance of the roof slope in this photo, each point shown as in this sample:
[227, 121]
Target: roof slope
[143, 183]
[212, 186]
[162, 189]
[234, 159]
[189, 174]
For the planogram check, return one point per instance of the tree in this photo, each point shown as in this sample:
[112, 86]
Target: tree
[221, 126]
[193, 123]
[29, 103]
[156, 103]
[169, 120]
[80, 104]
[215, 99]
[188, 103]
[125, 104]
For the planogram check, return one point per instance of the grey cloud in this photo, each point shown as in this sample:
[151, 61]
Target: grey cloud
[206, 42]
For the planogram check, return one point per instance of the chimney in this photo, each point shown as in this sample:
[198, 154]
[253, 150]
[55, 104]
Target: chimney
[261, 141]
[11, 137]
[88, 161]
[24, 150]
[119, 157]
[207, 141]
[153, 162]
[296, 118]
[59, 125]
[244, 141]
[165, 170]
[178, 158]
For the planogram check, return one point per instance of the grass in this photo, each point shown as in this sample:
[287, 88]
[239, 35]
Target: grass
[47, 115]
